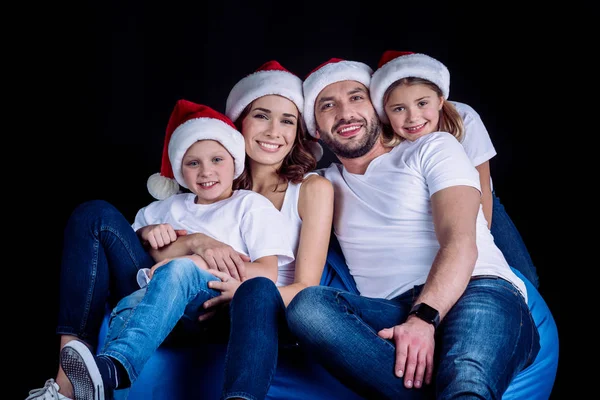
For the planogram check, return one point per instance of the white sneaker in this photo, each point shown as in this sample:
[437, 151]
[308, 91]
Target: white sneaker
[80, 367]
[48, 392]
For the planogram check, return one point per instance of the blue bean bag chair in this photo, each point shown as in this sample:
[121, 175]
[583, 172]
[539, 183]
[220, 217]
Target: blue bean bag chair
[196, 372]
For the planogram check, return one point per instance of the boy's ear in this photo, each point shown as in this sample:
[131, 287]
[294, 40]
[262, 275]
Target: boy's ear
[442, 101]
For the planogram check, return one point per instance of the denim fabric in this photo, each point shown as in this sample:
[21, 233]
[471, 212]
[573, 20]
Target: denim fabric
[258, 328]
[142, 321]
[481, 344]
[509, 241]
[101, 256]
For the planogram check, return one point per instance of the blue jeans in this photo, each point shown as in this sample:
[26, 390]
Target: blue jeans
[142, 321]
[481, 344]
[258, 327]
[509, 241]
[100, 260]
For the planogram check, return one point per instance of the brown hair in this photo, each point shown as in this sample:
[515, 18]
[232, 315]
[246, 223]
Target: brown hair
[450, 119]
[296, 163]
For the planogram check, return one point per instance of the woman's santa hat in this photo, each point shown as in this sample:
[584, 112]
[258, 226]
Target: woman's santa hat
[269, 78]
[395, 65]
[189, 123]
[332, 71]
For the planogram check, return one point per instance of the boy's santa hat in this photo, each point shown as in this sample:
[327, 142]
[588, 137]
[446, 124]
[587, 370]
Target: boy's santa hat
[332, 71]
[189, 123]
[395, 65]
[269, 78]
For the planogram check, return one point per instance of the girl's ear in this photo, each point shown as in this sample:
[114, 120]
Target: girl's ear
[442, 101]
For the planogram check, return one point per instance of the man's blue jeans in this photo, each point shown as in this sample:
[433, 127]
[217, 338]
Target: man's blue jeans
[258, 328]
[481, 344]
[142, 321]
[509, 241]
[100, 260]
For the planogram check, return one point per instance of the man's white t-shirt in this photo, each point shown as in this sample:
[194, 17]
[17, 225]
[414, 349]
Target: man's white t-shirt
[247, 221]
[383, 218]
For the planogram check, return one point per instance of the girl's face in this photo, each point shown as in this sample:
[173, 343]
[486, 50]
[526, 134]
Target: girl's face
[413, 110]
[269, 129]
[207, 169]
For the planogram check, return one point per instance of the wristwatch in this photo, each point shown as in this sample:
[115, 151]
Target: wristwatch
[426, 313]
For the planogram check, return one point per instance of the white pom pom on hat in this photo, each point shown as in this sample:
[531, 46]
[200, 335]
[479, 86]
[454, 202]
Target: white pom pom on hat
[332, 71]
[189, 123]
[395, 65]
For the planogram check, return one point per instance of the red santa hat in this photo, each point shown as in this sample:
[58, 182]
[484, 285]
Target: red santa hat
[332, 71]
[189, 123]
[269, 78]
[395, 65]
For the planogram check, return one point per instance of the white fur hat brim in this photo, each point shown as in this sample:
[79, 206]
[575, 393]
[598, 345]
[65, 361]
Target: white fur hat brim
[412, 65]
[197, 129]
[326, 75]
[263, 83]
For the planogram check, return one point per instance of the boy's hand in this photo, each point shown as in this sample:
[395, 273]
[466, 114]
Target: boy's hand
[160, 235]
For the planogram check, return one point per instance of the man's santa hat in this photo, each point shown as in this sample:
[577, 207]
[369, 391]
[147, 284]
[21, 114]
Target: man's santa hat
[269, 78]
[395, 65]
[189, 123]
[332, 71]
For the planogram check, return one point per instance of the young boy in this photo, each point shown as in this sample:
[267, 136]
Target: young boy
[205, 154]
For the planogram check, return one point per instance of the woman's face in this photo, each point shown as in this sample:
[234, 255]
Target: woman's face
[269, 129]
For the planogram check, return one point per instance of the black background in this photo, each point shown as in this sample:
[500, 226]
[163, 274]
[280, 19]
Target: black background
[106, 76]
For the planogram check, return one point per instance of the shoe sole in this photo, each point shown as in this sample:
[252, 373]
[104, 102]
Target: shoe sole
[80, 367]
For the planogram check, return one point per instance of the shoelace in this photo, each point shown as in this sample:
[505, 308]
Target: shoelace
[49, 385]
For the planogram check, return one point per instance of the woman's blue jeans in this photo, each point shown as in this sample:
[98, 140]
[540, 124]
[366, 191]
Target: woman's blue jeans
[509, 241]
[142, 321]
[481, 344]
[258, 328]
[100, 260]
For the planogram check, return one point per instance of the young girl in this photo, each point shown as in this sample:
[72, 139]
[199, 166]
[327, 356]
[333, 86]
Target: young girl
[205, 154]
[418, 73]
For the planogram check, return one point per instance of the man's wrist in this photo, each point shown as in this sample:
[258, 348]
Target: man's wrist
[427, 313]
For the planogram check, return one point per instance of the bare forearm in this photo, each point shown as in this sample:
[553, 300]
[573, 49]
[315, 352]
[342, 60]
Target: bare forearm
[255, 269]
[181, 247]
[449, 276]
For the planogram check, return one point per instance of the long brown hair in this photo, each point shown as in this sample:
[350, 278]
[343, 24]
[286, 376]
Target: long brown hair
[450, 119]
[296, 163]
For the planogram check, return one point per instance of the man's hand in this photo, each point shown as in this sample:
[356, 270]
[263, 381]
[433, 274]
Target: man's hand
[227, 286]
[415, 344]
[221, 257]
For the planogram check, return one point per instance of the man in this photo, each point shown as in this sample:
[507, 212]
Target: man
[409, 223]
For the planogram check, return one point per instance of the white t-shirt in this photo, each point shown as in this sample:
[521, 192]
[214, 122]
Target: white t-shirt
[247, 221]
[383, 219]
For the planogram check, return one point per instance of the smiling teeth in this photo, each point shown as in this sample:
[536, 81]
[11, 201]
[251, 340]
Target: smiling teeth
[208, 184]
[269, 145]
[414, 128]
[348, 129]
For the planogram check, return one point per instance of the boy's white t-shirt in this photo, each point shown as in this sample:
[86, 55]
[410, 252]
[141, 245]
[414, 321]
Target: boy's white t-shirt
[383, 219]
[247, 221]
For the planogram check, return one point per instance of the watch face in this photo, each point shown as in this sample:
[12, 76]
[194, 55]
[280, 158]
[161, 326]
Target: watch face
[426, 313]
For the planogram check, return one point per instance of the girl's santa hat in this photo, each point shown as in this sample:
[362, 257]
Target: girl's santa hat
[332, 71]
[395, 65]
[189, 123]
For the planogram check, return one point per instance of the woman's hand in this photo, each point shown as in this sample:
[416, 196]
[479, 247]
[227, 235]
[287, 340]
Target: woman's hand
[221, 257]
[227, 286]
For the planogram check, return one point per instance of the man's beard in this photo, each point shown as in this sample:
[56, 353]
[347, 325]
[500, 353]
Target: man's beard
[361, 148]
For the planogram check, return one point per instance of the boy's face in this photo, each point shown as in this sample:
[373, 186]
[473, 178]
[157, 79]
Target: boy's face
[208, 169]
[413, 110]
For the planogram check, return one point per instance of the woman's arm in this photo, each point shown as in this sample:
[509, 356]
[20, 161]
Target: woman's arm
[315, 207]
[218, 255]
[486, 191]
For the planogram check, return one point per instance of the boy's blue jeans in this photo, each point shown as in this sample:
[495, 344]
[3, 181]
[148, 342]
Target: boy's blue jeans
[509, 241]
[481, 344]
[100, 260]
[143, 320]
